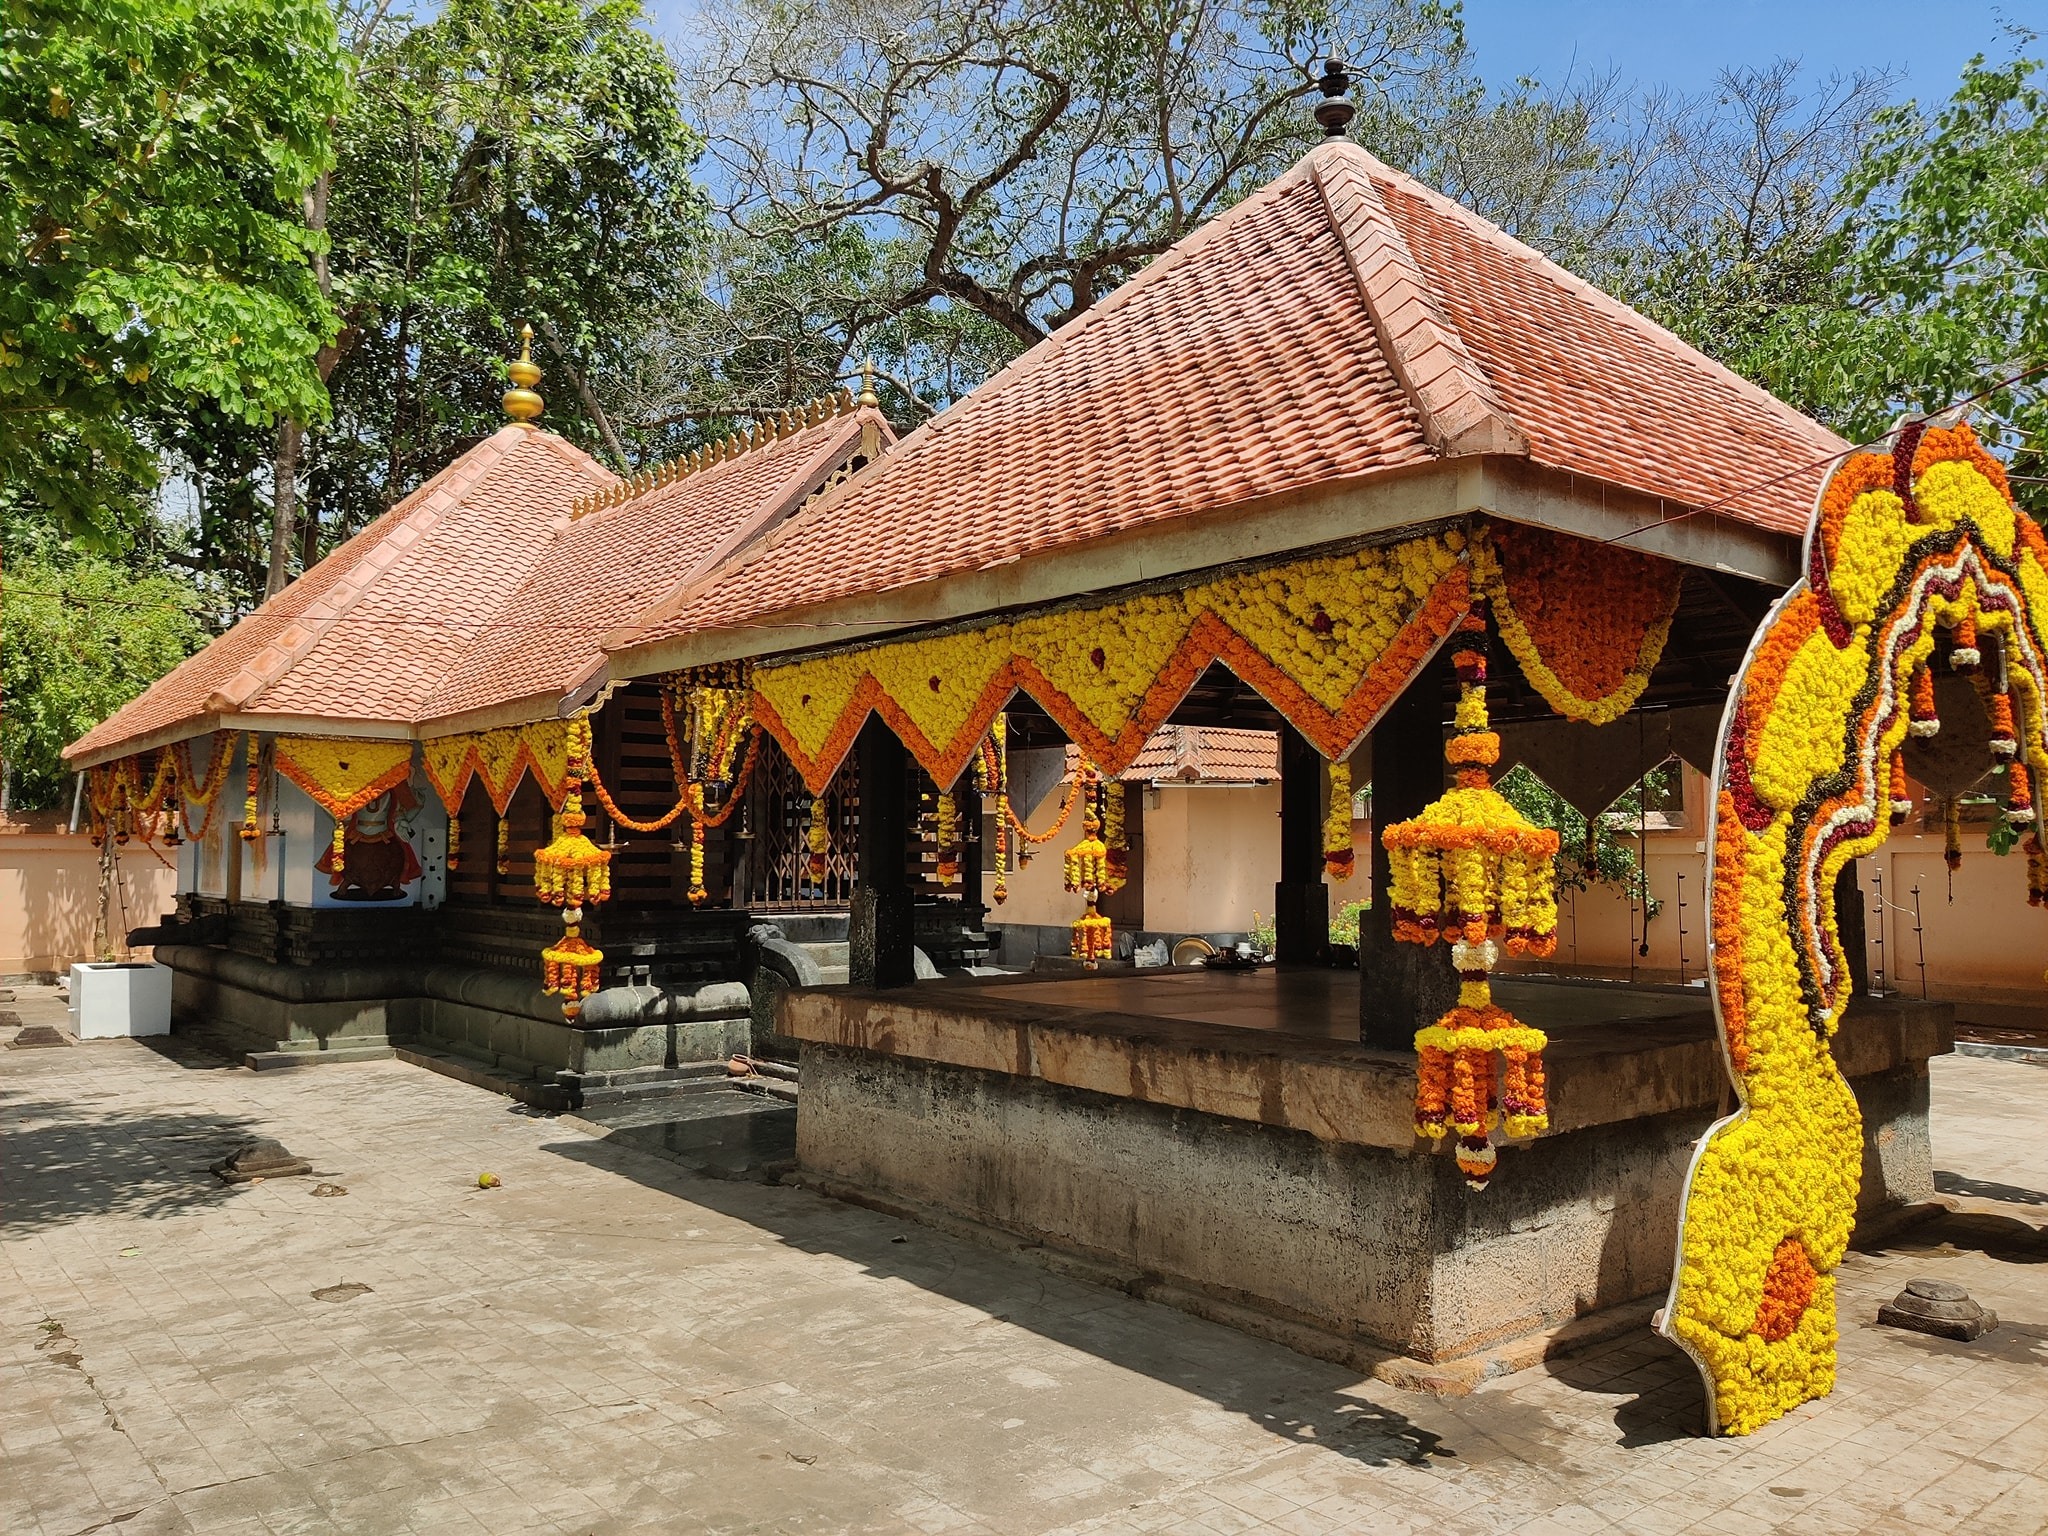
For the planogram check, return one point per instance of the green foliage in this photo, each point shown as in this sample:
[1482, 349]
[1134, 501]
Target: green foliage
[1344, 926]
[1614, 859]
[79, 637]
[506, 160]
[153, 255]
[1925, 286]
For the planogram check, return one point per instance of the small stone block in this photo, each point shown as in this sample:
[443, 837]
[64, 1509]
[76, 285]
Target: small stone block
[264, 1157]
[34, 1035]
[1938, 1307]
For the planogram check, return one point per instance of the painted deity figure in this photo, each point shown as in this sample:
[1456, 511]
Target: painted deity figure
[377, 862]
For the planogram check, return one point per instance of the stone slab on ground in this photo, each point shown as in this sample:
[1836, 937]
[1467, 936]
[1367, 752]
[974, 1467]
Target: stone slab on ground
[608, 1343]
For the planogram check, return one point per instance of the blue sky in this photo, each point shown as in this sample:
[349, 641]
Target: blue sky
[1683, 43]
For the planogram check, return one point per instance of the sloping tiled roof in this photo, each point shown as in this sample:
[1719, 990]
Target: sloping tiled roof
[1342, 321]
[615, 561]
[482, 590]
[364, 634]
[1198, 754]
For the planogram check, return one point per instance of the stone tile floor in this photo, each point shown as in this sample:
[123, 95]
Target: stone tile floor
[610, 1342]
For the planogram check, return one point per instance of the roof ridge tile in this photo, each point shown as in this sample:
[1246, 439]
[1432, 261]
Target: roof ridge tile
[1484, 228]
[1460, 409]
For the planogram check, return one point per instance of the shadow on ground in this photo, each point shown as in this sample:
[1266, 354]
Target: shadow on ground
[1996, 1236]
[1985, 1189]
[1299, 1399]
[64, 1160]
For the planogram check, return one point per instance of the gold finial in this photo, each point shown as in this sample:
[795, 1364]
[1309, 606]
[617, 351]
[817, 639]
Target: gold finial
[521, 403]
[867, 384]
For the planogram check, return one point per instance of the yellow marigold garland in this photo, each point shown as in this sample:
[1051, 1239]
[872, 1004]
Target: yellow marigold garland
[572, 872]
[1340, 854]
[1328, 641]
[1904, 545]
[1472, 870]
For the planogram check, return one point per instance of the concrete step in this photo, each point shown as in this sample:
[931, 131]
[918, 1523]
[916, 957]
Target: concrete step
[828, 955]
[266, 1061]
[553, 1093]
[837, 975]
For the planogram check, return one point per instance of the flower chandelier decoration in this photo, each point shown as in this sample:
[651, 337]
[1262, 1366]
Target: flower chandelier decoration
[1086, 867]
[1473, 871]
[1912, 554]
[572, 872]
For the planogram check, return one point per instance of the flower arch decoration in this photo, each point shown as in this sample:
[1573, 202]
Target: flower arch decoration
[1917, 560]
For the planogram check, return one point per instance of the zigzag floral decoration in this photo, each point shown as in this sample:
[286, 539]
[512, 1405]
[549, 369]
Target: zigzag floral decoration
[1329, 642]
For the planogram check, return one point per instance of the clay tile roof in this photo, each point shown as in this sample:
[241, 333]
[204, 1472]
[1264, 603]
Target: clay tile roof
[366, 634]
[615, 561]
[480, 591]
[1343, 320]
[1194, 754]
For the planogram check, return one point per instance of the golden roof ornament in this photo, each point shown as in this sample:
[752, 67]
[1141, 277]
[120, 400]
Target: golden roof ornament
[867, 384]
[521, 403]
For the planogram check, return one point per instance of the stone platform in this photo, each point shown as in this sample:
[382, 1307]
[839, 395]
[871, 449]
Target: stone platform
[488, 1026]
[1222, 1142]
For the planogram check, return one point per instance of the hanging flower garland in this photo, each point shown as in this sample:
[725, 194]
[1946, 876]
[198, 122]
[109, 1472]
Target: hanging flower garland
[1076, 788]
[250, 830]
[946, 832]
[991, 775]
[203, 789]
[1473, 871]
[1586, 621]
[1906, 547]
[1086, 867]
[1115, 835]
[123, 803]
[572, 872]
[1340, 855]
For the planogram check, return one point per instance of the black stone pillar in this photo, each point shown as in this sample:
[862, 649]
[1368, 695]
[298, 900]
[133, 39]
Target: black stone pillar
[1301, 902]
[1403, 986]
[1852, 923]
[881, 933]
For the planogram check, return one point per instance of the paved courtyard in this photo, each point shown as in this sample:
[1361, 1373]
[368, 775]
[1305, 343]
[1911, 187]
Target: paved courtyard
[612, 1342]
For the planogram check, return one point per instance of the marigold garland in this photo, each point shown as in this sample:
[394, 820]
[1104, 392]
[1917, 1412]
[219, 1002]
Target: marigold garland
[1471, 869]
[570, 873]
[1340, 854]
[1904, 545]
[1329, 641]
[1586, 621]
[251, 827]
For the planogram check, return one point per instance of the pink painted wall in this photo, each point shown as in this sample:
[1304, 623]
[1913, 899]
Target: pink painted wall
[49, 885]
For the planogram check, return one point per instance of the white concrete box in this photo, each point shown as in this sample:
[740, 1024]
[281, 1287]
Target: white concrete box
[111, 999]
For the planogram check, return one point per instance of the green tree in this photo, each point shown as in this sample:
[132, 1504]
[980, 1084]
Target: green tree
[1614, 860]
[1936, 292]
[80, 635]
[498, 162]
[945, 183]
[507, 160]
[153, 252]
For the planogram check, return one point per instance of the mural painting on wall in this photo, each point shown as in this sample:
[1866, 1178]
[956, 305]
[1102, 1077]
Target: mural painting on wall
[1919, 570]
[377, 862]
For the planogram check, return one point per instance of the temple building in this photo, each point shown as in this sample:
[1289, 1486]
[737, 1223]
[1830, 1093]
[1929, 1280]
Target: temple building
[1347, 473]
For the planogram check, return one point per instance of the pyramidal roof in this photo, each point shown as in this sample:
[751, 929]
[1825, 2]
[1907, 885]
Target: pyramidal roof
[1343, 321]
[482, 597]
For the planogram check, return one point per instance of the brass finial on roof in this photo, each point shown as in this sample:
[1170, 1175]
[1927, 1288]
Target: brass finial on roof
[867, 384]
[521, 403]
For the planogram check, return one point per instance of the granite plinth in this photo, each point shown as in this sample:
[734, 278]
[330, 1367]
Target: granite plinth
[1218, 1138]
